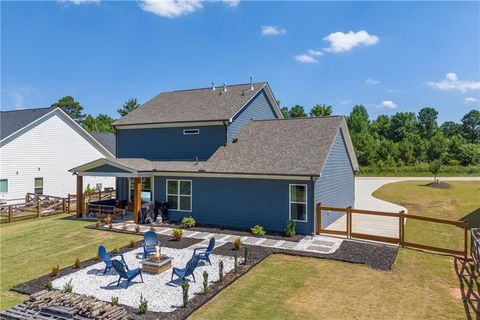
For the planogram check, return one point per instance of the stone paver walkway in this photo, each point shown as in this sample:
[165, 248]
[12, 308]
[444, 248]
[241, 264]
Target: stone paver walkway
[319, 244]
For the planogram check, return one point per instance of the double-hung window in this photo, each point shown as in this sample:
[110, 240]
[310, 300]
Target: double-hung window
[298, 202]
[3, 185]
[179, 195]
[38, 186]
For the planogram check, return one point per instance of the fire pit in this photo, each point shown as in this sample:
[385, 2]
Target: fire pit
[157, 263]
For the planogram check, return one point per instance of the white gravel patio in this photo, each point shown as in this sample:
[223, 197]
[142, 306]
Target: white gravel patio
[162, 294]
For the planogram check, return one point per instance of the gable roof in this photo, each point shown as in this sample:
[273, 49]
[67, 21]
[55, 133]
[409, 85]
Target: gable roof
[195, 105]
[14, 120]
[106, 139]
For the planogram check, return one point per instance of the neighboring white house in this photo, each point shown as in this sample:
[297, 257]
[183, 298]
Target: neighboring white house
[39, 146]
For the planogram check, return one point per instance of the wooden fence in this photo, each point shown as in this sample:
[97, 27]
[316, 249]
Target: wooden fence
[88, 198]
[400, 240]
[38, 206]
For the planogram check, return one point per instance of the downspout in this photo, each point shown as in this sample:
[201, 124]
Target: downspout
[314, 181]
[225, 123]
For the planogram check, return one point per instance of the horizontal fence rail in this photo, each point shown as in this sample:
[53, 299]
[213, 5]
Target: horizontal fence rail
[400, 240]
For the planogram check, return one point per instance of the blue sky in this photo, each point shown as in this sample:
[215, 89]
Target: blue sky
[388, 56]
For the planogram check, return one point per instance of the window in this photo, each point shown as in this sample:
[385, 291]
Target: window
[179, 195]
[146, 194]
[38, 185]
[191, 131]
[298, 202]
[3, 185]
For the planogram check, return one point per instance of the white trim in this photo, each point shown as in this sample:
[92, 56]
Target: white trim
[98, 163]
[193, 174]
[179, 195]
[290, 201]
[152, 187]
[192, 131]
[170, 125]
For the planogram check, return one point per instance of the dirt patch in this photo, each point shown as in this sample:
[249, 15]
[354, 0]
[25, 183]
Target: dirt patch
[456, 293]
[439, 185]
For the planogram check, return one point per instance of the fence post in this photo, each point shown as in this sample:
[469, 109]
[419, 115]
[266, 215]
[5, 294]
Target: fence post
[401, 227]
[68, 203]
[465, 249]
[38, 208]
[64, 205]
[10, 213]
[319, 217]
[349, 222]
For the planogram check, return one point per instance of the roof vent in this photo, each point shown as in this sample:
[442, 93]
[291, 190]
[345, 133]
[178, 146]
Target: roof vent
[224, 87]
[235, 140]
[251, 83]
[213, 85]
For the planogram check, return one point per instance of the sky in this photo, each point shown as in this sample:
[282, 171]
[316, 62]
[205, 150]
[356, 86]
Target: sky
[389, 56]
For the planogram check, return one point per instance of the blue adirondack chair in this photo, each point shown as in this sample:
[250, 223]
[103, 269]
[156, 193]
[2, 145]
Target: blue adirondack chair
[204, 253]
[188, 270]
[149, 243]
[108, 258]
[124, 273]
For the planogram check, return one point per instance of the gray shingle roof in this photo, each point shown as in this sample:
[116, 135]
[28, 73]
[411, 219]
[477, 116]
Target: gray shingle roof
[192, 105]
[107, 140]
[12, 121]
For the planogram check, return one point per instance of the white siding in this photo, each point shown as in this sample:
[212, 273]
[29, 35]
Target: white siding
[48, 149]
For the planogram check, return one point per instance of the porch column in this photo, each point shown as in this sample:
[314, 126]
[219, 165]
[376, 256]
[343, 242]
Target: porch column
[137, 199]
[80, 204]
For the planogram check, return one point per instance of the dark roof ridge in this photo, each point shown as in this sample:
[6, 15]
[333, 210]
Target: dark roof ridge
[217, 87]
[27, 109]
[302, 118]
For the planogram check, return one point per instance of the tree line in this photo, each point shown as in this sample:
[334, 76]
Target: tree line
[402, 139]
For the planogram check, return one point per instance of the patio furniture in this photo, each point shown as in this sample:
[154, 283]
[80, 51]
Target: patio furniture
[149, 243]
[188, 270]
[107, 258]
[204, 253]
[125, 273]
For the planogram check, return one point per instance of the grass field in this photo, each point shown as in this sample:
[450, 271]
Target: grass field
[421, 285]
[29, 249]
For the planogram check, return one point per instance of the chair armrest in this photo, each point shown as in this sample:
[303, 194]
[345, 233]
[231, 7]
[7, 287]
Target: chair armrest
[195, 250]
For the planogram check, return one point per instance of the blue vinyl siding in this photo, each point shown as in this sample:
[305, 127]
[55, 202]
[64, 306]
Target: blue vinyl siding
[170, 143]
[259, 108]
[122, 188]
[336, 185]
[240, 203]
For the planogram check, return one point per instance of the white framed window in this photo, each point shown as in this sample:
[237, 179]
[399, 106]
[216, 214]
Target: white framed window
[146, 194]
[38, 186]
[191, 131]
[298, 202]
[3, 185]
[179, 195]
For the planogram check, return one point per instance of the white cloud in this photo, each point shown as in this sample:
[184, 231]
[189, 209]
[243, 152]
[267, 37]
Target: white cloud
[273, 31]
[18, 94]
[315, 52]
[232, 3]
[451, 82]
[341, 42]
[470, 100]
[393, 91]
[79, 2]
[305, 58]
[171, 8]
[371, 81]
[389, 104]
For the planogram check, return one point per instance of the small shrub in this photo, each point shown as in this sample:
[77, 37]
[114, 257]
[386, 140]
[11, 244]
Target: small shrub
[177, 234]
[258, 230]
[124, 227]
[97, 224]
[235, 261]
[143, 307]
[205, 281]
[245, 255]
[137, 228]
[152, 228]
[55, 271]
[77, 264]
[110, 225]
[116, 250]
[290, 228]
[220, 270]
[97, 257]
[48, 285]
[185, 287]
[108, 219]
[237, 243]
[132, 243]
[90, 190]
[68, 287]
[188, 222]
[114, 301]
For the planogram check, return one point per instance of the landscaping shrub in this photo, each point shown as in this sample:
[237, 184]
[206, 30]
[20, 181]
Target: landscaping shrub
[55, 271]
[114, 301]
[177, 234]
[48, 285]
[290, 229]
[97, 257]
[90, 190]
[187, 222]
[124, 227]
[132, 243]
[245, 255]
[68, 287]
[137, 228]
[108, 219]
[220, 270]
[185, 287]
[143, 307]
[152, 229]
[110, 225]
[258, 230]
[205, 281]
[77, 264]
[237, 243]
[235, 257]
[97, 224]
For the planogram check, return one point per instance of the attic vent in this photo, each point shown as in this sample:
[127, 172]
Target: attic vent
[213, 85]
[251, 83]
[235, 140]
[224, 87]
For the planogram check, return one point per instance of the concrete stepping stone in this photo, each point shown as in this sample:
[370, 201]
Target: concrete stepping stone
[319, 249]
[269, 242]
[203, 235]
[232, 237]
[163, 230]
[323, 243]
[251, 240]
[219, 236]
[189, 234]
[288, 245]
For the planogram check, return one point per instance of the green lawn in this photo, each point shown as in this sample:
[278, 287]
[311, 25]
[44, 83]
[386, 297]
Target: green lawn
[29, 249]
[421, 285]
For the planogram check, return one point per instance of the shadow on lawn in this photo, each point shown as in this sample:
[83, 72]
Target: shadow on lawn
[473, 218]
[469, 287]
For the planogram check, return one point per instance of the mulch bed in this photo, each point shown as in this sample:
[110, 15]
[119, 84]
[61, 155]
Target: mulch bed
[439, 185]
[376, 256]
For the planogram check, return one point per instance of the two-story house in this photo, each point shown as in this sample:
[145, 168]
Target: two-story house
[226, 157]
